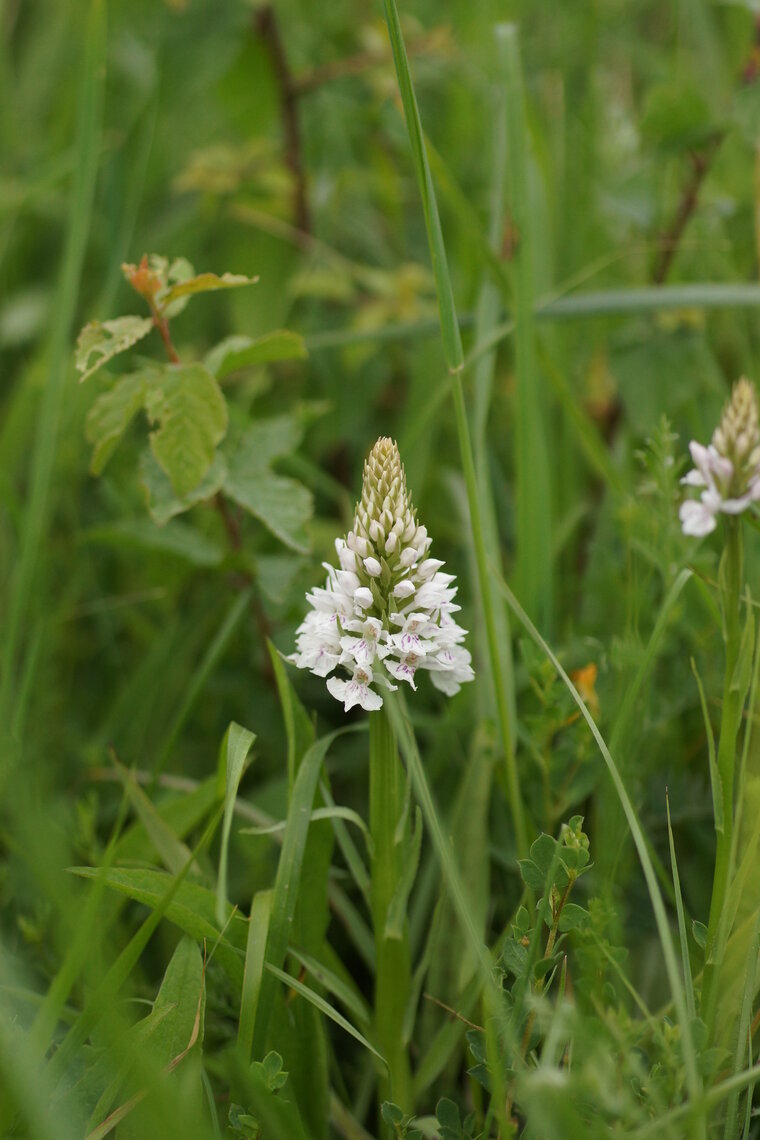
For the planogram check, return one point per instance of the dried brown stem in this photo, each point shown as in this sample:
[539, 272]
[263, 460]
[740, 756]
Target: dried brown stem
[701, 161]
[355, 65]
[453, 1012]
[268, 28]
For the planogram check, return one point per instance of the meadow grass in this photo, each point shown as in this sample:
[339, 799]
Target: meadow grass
[527, 251]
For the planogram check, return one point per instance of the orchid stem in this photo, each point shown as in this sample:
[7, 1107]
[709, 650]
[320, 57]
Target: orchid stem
[387, 789]
[729, 731]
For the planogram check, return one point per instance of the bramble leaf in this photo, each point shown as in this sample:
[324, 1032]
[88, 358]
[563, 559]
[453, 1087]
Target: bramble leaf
[191, 412]
[105, 339]
[204, 283]
[237, 352]
[110, 416]
[162, 502]
[281, 504]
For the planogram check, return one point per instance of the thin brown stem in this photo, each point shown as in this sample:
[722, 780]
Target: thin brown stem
[701, 161]
[231, 523]
[454, 1013]
[356, 64]
[268, 28]
[162, 324]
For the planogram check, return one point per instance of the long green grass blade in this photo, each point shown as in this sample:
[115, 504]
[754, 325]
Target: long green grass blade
[99, 1001]
[682, 935]
[200, 675]
[533, 562]
[287, 880]
[455, 359]
[87, 146]
[236, 745]
[258, 931]
[323, 1007]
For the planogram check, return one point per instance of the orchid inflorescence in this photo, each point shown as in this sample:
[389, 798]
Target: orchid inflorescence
[728, 469]
[386, 611]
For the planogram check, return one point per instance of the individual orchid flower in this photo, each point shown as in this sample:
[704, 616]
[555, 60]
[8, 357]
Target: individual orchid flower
[728, 469]
[386, 612]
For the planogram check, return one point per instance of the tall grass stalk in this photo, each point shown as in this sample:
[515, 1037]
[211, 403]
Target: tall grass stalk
[452, 344]
[533, 561]
[35, 515]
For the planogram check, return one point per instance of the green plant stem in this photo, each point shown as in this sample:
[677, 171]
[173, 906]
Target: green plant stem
[387, 790]
[729, 731]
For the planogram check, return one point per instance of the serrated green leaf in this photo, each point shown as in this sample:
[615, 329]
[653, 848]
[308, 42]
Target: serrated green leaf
[281, 504]
[105, 339]
[110, 416]
[162, 502]
[204, 283]
[236, 352]
[188, 405]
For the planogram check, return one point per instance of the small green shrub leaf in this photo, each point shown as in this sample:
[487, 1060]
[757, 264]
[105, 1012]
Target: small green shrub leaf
[204, 283]
[532, 876]
[238, 352]
[100, 341]
[191, 413]
[163, 504]
[281, 504]
[573, 917]
[699, 931]
[110, 416]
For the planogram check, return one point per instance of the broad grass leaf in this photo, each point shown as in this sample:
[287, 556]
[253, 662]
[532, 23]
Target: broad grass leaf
[180, 812]
[180, 993]
[193, 909]
[191, 413]
[233, 754]
[179, 1009]
[100, 341]
[288, 879]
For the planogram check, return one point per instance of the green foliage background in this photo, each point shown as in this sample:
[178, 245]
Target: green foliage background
[270, 142]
